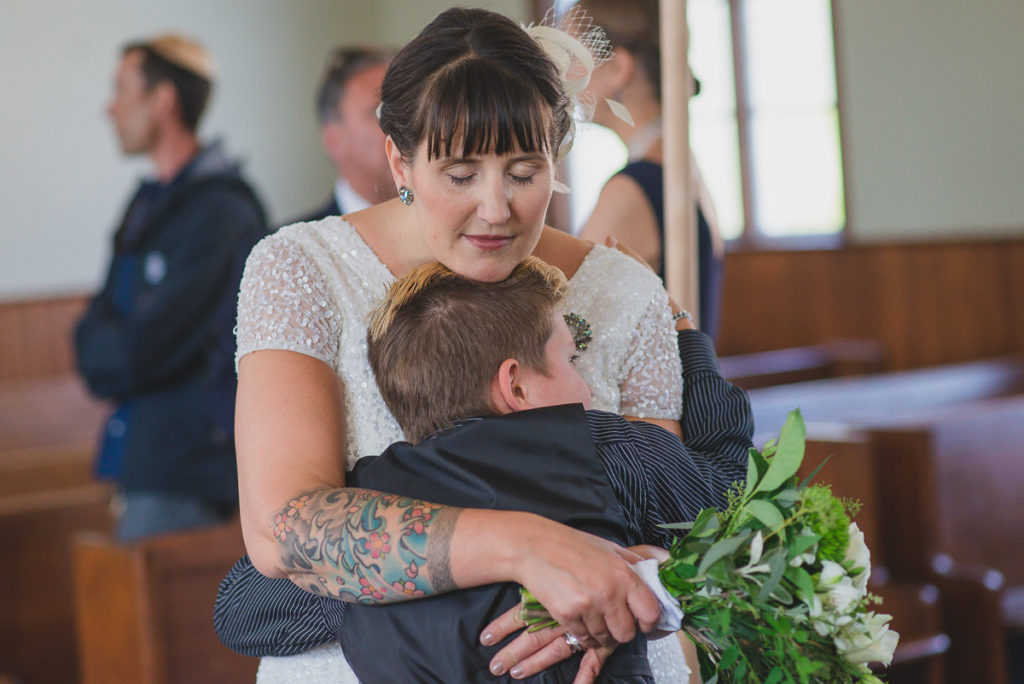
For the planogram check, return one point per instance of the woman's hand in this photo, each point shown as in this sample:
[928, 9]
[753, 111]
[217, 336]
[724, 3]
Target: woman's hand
[532, 652]
[587, 585]
[584, 581]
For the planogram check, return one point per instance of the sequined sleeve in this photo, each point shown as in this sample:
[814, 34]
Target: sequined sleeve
[653, 381]
[284, 303]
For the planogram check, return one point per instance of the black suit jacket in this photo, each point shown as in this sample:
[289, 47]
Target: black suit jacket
[543, 461]
[331, 208]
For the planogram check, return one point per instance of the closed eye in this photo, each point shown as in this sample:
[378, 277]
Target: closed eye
[461, 180]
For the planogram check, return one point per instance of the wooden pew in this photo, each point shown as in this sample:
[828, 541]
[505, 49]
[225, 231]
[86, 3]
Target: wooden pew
[37, 631]
[835, 358]
[949, 481]
[145, 610]
[49, 429]
[875, 399]
[916, 606]
[962, 469]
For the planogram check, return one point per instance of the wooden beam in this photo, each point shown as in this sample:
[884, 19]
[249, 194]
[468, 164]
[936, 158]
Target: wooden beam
[680, 211]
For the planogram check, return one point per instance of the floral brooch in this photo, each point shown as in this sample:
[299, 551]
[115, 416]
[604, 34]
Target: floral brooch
[581, 332]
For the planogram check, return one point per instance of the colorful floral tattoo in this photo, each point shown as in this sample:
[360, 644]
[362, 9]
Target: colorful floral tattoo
[367, 547]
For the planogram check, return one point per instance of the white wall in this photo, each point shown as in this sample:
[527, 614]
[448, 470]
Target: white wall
[63, 184]
[932, 98]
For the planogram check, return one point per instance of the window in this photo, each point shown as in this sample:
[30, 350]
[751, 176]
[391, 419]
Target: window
[764, 128]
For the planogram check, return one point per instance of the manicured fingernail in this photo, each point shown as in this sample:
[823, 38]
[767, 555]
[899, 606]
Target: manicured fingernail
[517, 672]
[497, 667]
[487, 639]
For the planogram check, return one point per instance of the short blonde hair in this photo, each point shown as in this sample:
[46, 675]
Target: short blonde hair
[437, 340]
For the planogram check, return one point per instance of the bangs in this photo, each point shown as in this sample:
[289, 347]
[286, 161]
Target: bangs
[475, 108]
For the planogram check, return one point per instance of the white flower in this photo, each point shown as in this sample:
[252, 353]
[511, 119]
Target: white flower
[756, 549]
[870, 641]
[840, 593]
[858, 552]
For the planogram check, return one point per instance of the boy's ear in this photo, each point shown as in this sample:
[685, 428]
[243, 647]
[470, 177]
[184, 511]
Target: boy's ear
[508, 392]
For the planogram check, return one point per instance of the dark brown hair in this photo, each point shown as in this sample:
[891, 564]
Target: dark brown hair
[632, 25]
[476, 79]
[192, 89]
[437, 340]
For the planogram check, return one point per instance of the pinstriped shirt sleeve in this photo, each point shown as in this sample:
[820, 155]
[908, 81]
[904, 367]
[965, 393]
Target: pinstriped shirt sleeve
[658, 479]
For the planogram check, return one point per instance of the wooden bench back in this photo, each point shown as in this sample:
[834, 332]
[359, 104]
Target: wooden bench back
[145, 610]
[37, 632]
[964, 469]
[877, 399]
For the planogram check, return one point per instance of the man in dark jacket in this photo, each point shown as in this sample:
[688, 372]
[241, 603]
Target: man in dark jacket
[157, 339]
[346, 106]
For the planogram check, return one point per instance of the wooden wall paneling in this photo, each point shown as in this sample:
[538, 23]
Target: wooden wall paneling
[35, 336]
[928, 304]
[1011, 277]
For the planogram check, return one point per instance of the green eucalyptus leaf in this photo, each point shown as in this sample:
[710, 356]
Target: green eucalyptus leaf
[814, 473]
[729, 656]
[767, 512]
[787, 497]
[782, 594]
[677, 525]
[803, 582]
[801, 544]
[776, 560]
[775, 676]
[706, 522]
[789, 455]
[721, 549]
[757, 466]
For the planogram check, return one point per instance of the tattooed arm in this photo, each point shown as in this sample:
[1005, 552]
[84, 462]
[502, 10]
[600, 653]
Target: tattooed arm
[378, 548]
[299, 521]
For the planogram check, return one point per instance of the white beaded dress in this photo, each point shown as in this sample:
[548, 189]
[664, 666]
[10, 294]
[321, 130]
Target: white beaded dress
[311, 288]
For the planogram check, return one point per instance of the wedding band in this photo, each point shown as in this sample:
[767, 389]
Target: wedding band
[573, 642]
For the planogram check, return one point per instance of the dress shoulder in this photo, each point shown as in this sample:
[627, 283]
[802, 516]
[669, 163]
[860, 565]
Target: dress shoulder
[300, 285]
[632, 364]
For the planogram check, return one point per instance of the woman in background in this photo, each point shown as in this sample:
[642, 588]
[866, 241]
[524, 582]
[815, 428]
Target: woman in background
[630, 207]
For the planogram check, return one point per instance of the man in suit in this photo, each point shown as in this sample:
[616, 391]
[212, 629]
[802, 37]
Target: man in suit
[347, 109]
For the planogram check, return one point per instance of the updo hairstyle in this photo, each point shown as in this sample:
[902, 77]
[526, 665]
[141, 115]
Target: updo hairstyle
[632, 25]
[476, 79]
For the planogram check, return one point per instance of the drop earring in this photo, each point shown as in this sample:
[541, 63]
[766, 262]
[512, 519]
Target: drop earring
[405, 195]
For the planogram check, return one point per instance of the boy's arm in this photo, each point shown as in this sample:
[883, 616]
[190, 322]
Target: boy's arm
[662, 480]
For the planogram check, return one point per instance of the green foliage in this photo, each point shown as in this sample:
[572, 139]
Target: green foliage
[826, 515]
[749, 578]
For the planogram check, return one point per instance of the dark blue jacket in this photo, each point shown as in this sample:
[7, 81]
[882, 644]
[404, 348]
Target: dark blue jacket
[158, 338]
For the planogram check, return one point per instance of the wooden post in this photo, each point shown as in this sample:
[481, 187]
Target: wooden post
[680, 211]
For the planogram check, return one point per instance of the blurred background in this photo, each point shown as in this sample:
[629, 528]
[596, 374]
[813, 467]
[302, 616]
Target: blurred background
[864, 158]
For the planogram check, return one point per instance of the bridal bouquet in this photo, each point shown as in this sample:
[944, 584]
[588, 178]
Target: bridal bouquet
[774, 588]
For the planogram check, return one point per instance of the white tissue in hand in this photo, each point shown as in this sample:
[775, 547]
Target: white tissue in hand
[671, 618]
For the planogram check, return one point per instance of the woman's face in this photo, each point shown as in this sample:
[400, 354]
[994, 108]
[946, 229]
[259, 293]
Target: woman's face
[480, 214]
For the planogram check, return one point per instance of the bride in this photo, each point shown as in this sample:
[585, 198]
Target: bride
[475, 112]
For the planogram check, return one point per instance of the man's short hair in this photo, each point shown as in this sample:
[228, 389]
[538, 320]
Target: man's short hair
[437, 340]
[185, 64]
[343, 64]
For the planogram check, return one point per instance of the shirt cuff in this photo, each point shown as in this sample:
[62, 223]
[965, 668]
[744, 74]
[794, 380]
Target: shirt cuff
[697, 352]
